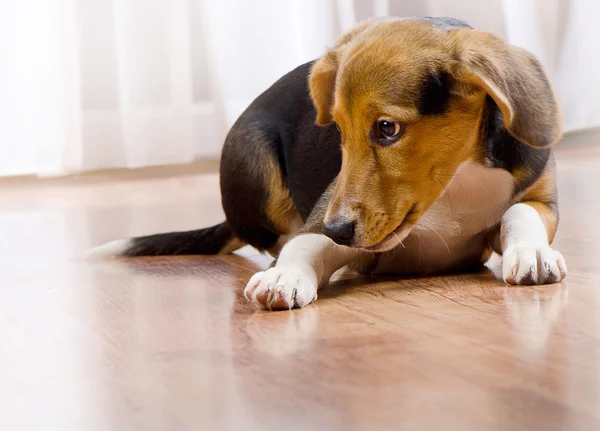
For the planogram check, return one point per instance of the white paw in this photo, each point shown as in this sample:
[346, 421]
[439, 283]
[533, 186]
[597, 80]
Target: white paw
[533, 265]
[281, 288]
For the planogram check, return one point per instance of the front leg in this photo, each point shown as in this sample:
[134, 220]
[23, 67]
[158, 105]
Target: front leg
[305, 263]
[526, 231]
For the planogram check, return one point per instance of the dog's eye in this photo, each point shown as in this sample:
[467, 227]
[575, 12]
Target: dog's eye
[387, 132]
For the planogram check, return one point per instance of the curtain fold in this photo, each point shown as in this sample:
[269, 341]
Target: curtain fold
[90, 84]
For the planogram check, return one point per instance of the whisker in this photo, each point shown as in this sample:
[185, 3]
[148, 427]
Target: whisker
[447, 194]
[440, 236]
[443, 240]
[398, 238]
[420, 248]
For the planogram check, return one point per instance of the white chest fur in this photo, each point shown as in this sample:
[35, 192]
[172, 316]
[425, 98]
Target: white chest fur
[449, 232]
[475, 198]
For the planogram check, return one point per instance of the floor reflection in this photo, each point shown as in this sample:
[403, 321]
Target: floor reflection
[533, 312]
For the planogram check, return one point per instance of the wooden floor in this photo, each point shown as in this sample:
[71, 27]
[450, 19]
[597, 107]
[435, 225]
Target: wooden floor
[171, 344]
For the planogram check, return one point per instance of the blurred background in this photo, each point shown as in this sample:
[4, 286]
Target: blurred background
[96, 84]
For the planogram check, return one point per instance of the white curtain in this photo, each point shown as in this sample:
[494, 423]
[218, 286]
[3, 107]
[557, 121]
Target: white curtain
[93, 84]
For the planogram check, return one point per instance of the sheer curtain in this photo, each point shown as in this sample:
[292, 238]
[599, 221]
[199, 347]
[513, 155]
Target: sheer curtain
[90, 84]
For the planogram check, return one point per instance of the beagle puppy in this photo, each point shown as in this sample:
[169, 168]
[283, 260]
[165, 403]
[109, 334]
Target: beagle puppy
[413, 146]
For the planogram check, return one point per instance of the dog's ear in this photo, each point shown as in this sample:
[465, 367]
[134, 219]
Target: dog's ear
[322, 86]
[324, 72]
[516, 81]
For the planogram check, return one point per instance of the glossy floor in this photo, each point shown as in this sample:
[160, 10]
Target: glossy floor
[171, 344]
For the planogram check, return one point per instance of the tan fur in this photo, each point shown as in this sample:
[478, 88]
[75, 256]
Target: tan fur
[231, 246]
[542, 197]
[370, 172]
[322, 86]
[280, 208]
[324, 71]
[375, 73]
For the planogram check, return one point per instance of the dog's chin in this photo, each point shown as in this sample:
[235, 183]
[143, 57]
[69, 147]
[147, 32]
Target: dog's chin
[395, 238]
[391, 241]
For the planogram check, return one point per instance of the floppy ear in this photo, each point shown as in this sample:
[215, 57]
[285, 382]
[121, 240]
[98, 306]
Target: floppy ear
[324, 72]
[516, 81]
[322, 86]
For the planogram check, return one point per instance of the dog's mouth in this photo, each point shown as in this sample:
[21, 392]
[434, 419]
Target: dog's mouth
[396, 236]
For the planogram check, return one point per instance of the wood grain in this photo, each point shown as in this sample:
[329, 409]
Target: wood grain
[170, 343]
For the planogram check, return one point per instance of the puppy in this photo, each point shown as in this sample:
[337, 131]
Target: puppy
[414, 146]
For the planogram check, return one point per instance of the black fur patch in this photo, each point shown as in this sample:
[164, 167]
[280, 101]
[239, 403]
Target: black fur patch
[244, 193]
[280, 123]
[210, 240]
[506, 152]
[434, 94]
[443, 22]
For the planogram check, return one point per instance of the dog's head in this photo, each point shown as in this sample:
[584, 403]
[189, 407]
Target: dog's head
[408, 97]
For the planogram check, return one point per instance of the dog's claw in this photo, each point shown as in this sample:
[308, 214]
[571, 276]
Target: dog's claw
[531, 265]
[281, 288]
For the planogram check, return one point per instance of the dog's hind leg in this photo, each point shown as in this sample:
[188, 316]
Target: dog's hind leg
[255, 197]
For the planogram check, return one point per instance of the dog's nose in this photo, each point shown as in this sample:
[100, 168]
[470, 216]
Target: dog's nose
[341, 231]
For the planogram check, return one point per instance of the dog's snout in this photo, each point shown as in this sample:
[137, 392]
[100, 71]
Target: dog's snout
[341, 231]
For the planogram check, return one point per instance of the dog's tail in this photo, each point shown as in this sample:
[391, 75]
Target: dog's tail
[218, 239]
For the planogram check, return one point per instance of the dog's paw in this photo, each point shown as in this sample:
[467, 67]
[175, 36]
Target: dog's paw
[532, 265]
[281, 288]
